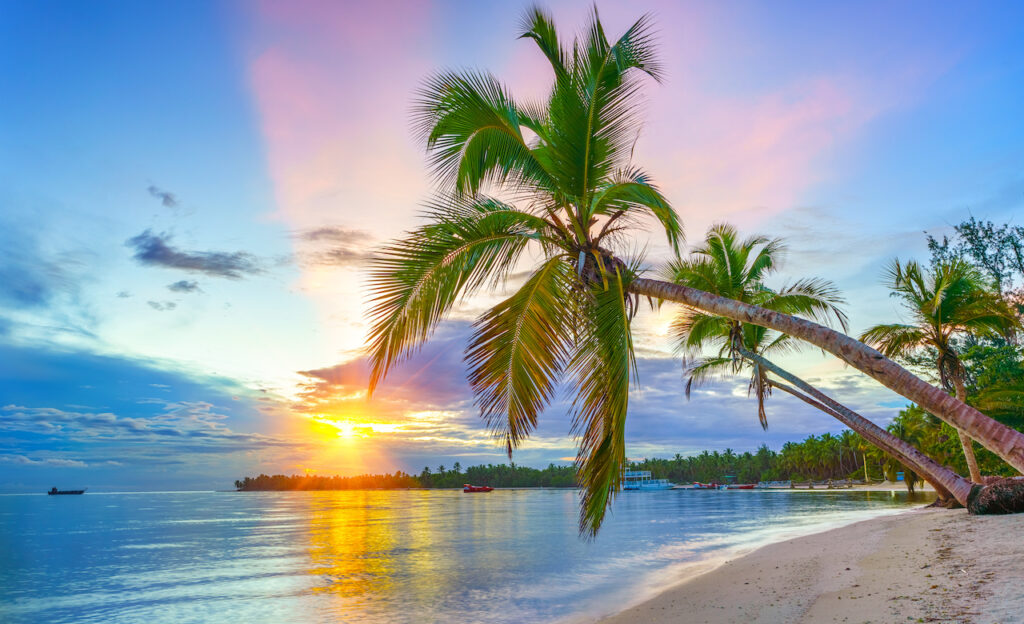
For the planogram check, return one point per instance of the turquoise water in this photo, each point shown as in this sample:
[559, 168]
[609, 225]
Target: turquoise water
[379, 556]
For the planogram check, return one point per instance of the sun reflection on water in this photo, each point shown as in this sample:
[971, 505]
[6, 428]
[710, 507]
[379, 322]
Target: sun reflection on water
[352, 544]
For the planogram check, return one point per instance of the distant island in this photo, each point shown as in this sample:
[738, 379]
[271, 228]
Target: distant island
[817, 458]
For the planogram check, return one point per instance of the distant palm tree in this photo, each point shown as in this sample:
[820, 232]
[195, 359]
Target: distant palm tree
[951, 301]
[557, 176]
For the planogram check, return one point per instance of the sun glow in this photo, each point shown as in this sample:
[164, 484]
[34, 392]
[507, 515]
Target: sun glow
[349, 428]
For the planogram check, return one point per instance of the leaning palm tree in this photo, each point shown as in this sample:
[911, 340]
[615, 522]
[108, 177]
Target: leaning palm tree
[730, 267]
[953, 300]
[557, 177]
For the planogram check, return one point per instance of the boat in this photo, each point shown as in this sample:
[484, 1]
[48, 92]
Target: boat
[476, 488]
[55, 492]
[697, 485]
[741, 486]
[641, 480]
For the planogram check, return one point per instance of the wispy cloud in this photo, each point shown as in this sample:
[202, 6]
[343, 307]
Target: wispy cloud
[21, 460]
[155, 250]
[167, 198]
[180, 425]
[335, 246]
[30, 277]
[184, 286]
[162, 306]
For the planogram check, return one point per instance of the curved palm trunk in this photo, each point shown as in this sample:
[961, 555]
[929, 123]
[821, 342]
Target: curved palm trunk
[965, 441]
[1000, 439]
[946, 482]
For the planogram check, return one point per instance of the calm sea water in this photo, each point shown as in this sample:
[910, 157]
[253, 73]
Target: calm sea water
[398, 556]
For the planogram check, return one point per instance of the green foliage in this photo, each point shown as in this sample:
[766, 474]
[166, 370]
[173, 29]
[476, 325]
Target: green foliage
[818, 458]
[313, 482]
[998, 250]
[499, 475]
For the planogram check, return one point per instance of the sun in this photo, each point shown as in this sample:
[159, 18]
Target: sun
[349, 428]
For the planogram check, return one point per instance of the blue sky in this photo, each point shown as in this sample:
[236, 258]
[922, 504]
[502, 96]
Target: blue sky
[191, 189]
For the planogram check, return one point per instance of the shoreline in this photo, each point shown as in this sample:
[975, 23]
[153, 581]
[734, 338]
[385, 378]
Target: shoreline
[918, 565]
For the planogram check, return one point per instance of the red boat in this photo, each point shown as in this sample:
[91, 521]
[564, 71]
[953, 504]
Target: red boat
[741, 486]
[476, 488]
[697, 485]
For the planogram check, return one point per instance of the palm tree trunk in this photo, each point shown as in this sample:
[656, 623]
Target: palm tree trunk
[946, 482]
[965, 440]
[1000, 439]
[867, 477]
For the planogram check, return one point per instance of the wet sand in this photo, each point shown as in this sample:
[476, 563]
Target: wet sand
[925, 565]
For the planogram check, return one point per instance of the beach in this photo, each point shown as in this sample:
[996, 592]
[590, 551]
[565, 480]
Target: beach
[925, 565]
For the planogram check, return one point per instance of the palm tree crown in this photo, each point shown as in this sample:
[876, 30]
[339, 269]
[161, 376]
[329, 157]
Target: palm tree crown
[951, 301]
[726, 265]
[555, 176]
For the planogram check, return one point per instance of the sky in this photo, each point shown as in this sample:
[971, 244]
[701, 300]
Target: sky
[190, 192]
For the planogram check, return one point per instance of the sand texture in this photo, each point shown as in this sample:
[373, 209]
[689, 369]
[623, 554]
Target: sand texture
[921, 566]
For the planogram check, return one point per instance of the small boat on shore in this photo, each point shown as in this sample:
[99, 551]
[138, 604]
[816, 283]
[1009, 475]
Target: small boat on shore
[741, 486]
[55, 492]
[476, 488]
[697, 485]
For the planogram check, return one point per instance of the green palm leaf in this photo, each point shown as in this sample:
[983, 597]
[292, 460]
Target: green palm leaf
[519, 349]
[473, 133]
[631, 191]
[894, 339]
[600, 372]
[416, 280]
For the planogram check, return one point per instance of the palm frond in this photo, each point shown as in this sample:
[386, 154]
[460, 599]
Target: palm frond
[415, 280]
[518, 350]
[692, 330]
[894, 339]
[699, 371]
[812, 298]
[594, 110]
[472, 128]
[600, 372]
[539, 26]
[631, 190]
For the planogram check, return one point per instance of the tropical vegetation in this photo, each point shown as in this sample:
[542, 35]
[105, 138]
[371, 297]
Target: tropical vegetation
[553, 183]
[953, 300]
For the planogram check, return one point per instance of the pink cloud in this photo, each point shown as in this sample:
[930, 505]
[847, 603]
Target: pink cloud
[332, 83]
[761, 152]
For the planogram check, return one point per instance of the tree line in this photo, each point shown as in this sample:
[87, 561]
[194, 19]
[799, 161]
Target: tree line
[494, 475]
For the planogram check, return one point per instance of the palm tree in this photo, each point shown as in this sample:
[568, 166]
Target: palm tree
[952, 301]
[577, 193]
[557, 177]
[734, 268]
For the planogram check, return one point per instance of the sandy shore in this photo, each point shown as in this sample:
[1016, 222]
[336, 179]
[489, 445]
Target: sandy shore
[921, 566]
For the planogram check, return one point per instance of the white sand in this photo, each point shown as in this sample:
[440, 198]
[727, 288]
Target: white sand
[922, 566]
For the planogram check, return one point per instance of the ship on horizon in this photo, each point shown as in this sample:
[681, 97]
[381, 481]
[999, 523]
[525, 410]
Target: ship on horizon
[55, 492]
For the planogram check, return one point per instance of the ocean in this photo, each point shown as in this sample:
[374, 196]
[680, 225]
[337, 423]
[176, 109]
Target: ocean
[380, 556]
